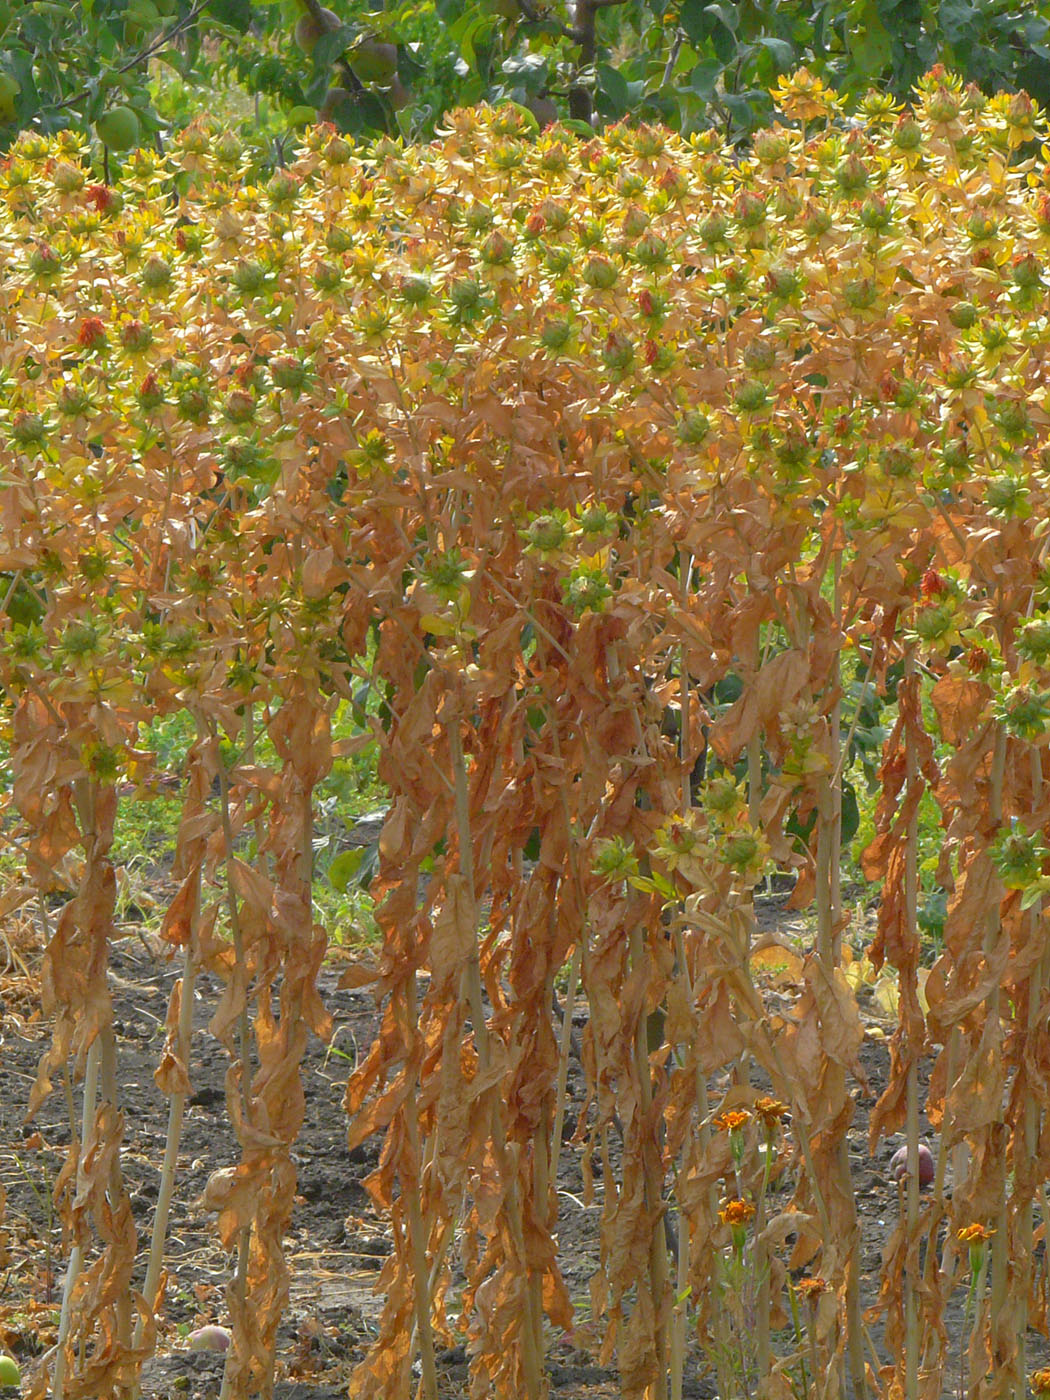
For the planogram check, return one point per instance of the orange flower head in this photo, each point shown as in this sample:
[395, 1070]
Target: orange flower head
[736, 1212]
[92, 333]
[810, 1289]
[101, 197]
[974, 1234]
[733, 1120]
[1040, 1381]
[771, 1111]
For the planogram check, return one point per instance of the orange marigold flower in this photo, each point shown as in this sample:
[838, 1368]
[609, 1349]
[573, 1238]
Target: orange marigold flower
[736, 1212]
[770, 1110]
[1040, 1381]
[974, 1234]
[811, 1288]
[732, 1121]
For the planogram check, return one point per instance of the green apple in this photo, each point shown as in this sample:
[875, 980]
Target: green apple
[308, 31]
[10, 87]
[118, 129]
[373, 61]
[10, 1375]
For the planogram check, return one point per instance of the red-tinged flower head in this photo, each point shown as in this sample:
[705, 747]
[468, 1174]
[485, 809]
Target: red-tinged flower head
[645, 301]
[673, 183]
[535, 224]
[1027, 271]
[977, 660]
[92, 333]
[136, 336]
[150, 394]
[652, 351]
[933, 584]
[100, 197]
[750, 209]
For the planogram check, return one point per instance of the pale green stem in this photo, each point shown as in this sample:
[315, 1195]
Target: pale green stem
[87, 1118]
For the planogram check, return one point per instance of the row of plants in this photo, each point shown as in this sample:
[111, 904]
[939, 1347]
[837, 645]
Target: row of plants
[587, 477]
[128, 69]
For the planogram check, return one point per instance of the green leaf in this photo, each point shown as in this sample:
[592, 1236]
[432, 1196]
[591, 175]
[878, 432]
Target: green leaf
[870, 45]
[236, 13]
[704, 77]
[727, 15]
[694, 20]
[724, 44]
[614, 89]
[529, 70]
[344, 867]
[1034, 893]
[581, 128]
[782, 51]
[957, 20]
[471, 30]
[332, 46]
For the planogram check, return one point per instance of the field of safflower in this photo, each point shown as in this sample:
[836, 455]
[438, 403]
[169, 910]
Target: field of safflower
[634, 504]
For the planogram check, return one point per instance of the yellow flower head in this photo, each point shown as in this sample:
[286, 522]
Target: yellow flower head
[802, 97]
[810, 1289]
[1040, 1381]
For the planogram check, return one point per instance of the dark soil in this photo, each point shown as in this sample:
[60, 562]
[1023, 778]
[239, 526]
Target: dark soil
[336, 1244]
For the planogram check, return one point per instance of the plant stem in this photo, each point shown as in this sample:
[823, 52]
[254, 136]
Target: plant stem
[1000, 1243]
[532, 1362]
[87, 1118]
[800, 1341]
[423, 1286]
[176, 1110]
[564, 1046]
[240, 1280]
[658, 1269]
[911, 1277]
[1036, 983]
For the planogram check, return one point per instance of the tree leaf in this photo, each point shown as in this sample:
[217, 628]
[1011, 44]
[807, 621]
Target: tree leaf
[727, 15]
[344, 867]
[236, 13]
[613, 87]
